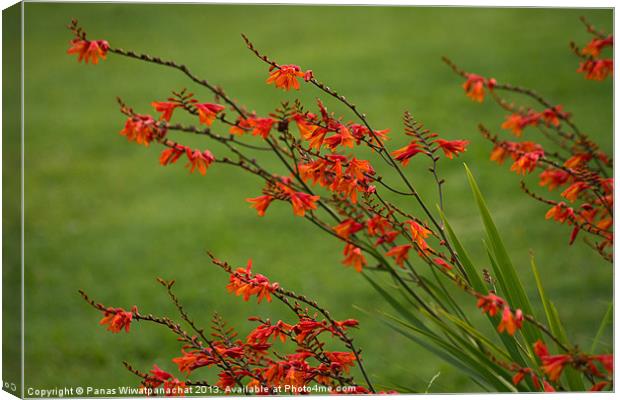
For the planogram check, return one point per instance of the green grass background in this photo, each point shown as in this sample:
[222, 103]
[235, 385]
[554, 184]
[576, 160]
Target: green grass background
[102, 215]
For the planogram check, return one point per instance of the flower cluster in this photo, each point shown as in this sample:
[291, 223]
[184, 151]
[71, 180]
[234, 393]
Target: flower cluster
[575, 166]
[593, 66]
[253, 363]
[319, 152]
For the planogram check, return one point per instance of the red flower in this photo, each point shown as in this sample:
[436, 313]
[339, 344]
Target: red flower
[607, 360]
[597, 70]
[117, 319]
[552, 115]
[171, 155]
[198, 159]
[442, 263]
[285, 77]
[378, 225]
[89, 50]
[261, 126]
[192, 360]
[354, 257]
[262, 333]
[404, 154]
[347, 228]
[303, 202]
[516, 122]
[400, 253]
[165, 108]
[359, 168]
[596, 45]
[260, 203]
[560, 213]
[552, 365]
[553, 178]
[341, 359]
[510, 323]
[242, 126]
[490, 303]
[577, 160]
[452, 148]
[341, 138]
[527, 162]
[140, 129]
[572, 192]
[498, 154]
[207, 112]
[474, 86]
[418, 233]
[243, 283]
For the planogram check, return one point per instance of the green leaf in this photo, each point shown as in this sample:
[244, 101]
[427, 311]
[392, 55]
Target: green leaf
[472, 275]
[514, 288]
[474, 278]
[573, 378]
[455, 356]
[601, 329]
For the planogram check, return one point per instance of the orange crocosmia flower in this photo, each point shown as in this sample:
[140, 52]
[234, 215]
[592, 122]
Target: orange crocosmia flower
[517, 122]
[171, 155]
[442, 263]
[387, 237]
[552, 116]
[262, 333]
[510, 323]
[596, 45]
[243, 283]
[498, 154]
[165, 108]
[404, 154]
[607, 360]
[400, 253]
[553, 178]
[347, 228]
[577, 160]
[378, 225]
[597, 70]
[207, 112]
[452, 148]
[285, 77]
[89, 50]
[198, 159]
[474, 86]
[552, 365]
[192, 360]
[418, 233]
[526, 163]
[359, 168]
[261, 126]
[560, 213]
[490, 303]
[117, 319]
[342, 359]
[360, 131]
[242, 126]
[572, 192]
[303, 202]
[342, 138]
[260, 203]
[140, 129]
[306, 128]
[354, 257]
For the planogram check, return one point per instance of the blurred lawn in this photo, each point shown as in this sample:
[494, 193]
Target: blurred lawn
[103, 216]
